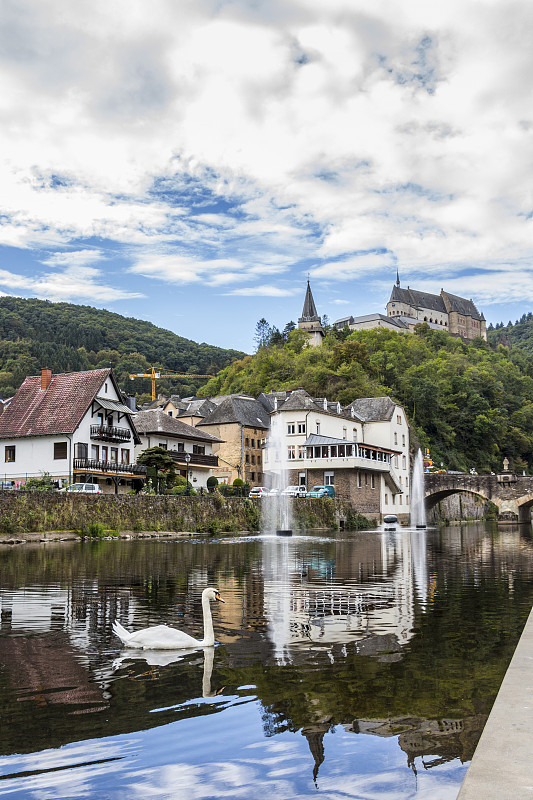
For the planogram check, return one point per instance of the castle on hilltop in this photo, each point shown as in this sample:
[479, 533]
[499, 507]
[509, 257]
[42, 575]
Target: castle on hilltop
[409, 307]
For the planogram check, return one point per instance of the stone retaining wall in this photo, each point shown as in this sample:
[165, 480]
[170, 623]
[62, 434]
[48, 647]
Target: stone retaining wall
[22, 512]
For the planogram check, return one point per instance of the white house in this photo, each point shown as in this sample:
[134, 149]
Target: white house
[363, 450]
[190, 447]
[73, 426]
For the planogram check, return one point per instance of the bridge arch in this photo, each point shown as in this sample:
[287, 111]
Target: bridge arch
[434, 497]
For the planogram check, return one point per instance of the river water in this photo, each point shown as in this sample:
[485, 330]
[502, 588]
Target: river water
[348, 665]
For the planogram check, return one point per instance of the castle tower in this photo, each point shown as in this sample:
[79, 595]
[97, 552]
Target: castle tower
[310, 321]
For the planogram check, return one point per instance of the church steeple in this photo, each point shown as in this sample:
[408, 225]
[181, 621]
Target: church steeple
[310, 321]
[397, 277]
[309, 310]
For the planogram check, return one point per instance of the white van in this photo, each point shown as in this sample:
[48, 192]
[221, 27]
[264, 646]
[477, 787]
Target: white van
[295, 491]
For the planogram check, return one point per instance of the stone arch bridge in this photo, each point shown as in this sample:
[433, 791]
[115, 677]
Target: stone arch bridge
[511, 494]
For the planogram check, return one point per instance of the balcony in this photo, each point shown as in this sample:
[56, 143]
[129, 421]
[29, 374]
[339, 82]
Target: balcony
[197, 459]
[109, 433]
[93, 465]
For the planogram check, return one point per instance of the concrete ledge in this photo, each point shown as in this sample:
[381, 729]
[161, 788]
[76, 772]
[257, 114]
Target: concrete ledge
[502, 766]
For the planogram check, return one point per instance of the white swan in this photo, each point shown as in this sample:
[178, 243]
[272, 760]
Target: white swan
[161, 637]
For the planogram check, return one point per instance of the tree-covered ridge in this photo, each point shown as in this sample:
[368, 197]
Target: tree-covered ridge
[518, 335]
[471, 404]
[68, 337]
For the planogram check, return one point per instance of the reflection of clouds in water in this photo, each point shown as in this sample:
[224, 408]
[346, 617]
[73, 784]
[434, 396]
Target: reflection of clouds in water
[69, 780]
[247, 777]
[282, 770]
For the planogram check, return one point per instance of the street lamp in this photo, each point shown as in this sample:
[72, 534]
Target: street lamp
[187, 461]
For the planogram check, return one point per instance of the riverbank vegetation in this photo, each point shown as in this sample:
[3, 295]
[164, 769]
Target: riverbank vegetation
[471, 404]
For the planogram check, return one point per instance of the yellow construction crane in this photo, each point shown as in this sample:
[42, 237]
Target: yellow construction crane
[156, 375]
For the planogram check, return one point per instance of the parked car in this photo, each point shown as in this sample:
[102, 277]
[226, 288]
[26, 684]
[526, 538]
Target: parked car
[273, 492]
[258, 491]
[84, 488]
[7, 484]
[321, 491]
[295, 491]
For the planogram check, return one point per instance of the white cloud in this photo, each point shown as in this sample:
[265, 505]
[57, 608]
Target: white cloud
[262, 291]
[262, 136]
[73, 283]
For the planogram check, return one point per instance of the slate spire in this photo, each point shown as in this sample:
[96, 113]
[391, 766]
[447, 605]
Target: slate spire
[309, 313]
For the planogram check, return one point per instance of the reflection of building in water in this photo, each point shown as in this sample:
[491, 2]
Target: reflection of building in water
[419, 737]
[370, 601]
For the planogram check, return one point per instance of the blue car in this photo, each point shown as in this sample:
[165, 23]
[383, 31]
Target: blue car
[321, 491]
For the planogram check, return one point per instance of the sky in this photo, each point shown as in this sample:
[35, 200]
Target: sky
[193, 162]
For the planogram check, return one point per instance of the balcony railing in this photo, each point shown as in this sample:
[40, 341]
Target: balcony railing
[94, 465]
[109, 433]
[197, 459]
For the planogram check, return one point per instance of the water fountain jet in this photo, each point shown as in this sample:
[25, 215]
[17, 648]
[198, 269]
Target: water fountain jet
[418, 507]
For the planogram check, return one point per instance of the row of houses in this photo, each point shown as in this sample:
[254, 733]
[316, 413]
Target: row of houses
[80, 427]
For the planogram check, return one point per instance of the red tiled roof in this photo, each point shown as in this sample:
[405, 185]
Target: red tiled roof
[59, 409]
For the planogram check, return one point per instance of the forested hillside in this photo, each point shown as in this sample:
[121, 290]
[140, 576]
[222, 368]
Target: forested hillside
[518, 335]
[67, 337]
[472, 404]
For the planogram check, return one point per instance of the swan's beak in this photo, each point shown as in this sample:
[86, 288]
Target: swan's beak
[218, 597]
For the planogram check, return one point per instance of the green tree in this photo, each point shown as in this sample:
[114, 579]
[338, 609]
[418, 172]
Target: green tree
[160, 467]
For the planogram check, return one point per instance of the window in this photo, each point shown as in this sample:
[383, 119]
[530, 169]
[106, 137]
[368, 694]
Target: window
[329, 478]
[318, 427]
[301, 427]
[301, 479]
[396, 461]
[169, 413]
[291, 428]
[81, 450]
[407, 482]
[324, 451]
[301, 451]
[403, 439]
[372, 481]
[259, 477]
[246, 442]
[114, 454]
[181, 447]
[354, 435]
[349, 449]
[333, 451]
[403, 462]
[253, 442]
[95, 452]
[252, 476]
[105, 453]
[342, 450]
[400, 500]
[344, 433]
[246, 459]
[125, 455]
[10, 452]
[198, 449]
[258, 461]
[399, 419]
[395, 438]
[253, 459]
[386, 499]
[162, 444]
[359, 483]
[60, 450]
[105, 388]
[291, 452]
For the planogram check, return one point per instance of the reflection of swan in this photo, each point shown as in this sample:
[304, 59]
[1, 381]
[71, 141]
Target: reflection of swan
[155, 658]
[161, 637]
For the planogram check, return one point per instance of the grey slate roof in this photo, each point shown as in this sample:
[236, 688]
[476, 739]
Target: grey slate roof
[200, 407]
[241, 409]
[374, 409]
[309, 313]
[299, 400]
[267, 399]
[156, 421]
[462, 306]
[418, 299]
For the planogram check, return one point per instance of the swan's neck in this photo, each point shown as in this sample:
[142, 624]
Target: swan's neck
[209, 634]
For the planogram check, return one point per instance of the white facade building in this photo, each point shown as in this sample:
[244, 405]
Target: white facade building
[362, 450]
[73, 426]
[190, 447]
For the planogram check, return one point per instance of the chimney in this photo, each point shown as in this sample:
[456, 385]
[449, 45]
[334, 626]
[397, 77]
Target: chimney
[46, 378]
